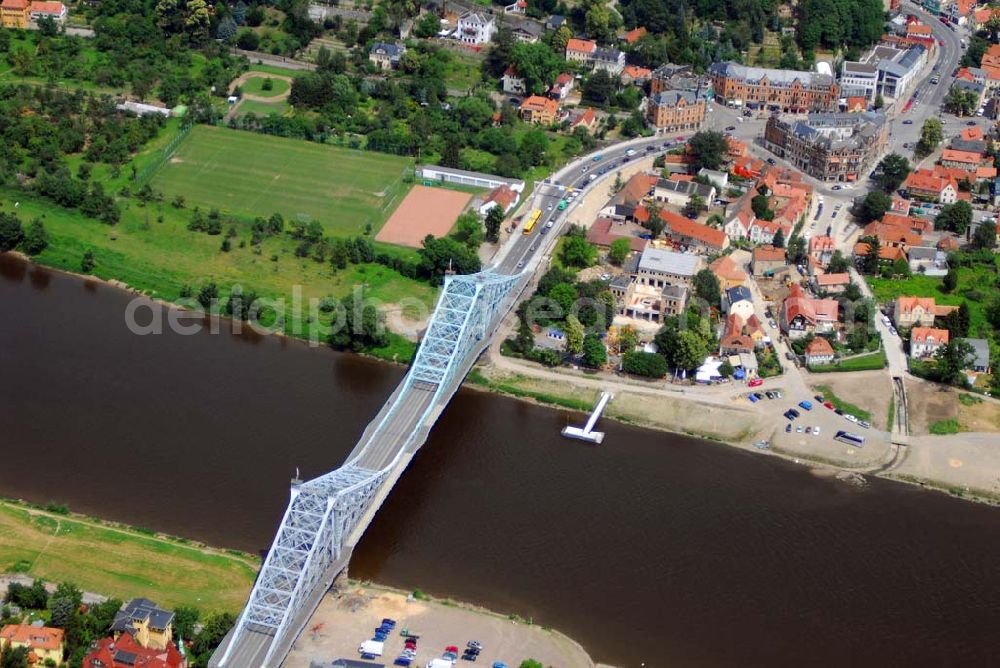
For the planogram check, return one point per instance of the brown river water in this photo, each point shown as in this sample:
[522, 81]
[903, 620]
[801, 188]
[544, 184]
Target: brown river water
[651, 549]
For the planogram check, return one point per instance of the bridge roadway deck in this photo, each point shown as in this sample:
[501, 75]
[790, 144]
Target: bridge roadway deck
[397, 425]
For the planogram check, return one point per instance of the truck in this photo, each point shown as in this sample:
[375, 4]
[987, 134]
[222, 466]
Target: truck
[371, 648]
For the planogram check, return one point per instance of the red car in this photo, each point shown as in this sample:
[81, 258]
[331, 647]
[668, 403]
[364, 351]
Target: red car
[756, 382]
[828, 405]
[940, 42]
[680, 139]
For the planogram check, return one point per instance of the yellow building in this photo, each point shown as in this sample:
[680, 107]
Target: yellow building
[14, 13]
[41, 642]
[149, 625]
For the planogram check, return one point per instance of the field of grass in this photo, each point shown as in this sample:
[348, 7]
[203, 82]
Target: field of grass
[255, 86]
[845, 406]
[121, 562]
[250, 174]
[875, 360]
[279, 107]
[975, 286]
[944, 427]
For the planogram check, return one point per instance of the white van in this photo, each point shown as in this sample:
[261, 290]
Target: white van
[371, 647]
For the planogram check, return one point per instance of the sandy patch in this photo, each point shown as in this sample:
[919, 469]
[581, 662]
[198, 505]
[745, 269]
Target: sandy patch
[983, 416]
[929, 403]
[869, 390]
[425, 210]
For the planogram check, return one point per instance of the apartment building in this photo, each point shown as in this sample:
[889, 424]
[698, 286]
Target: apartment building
[829, 146]
[778, 90]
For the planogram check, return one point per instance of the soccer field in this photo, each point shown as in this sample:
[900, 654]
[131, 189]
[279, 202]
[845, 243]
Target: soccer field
[247, 174]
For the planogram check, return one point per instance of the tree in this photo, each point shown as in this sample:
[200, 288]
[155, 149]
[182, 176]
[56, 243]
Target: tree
[872, 259]
[796, 251]
[619, 251]
[574, 335]
[185, 619]
[36, 238]
[930, 136]
[957, 322]
[984, 236]
[694, 206]
[689, 351]
[468, 230]
[87, 262]
[597, 23]
[955, 217]
[451, 156]
[879, 101]
[494, 219]
[578, 252]
[534, 143]
[427, 25]
[628, 339]
[707, 149]
[11, 657]
[363, 326]
[639, 363]
[951, 359]
[11, 232]
[779, 239]
[226, 30]
[706, 286]
[950, 280]
[838, 263]
[564, 295]
[595, 355]
[62, 610]
[726, 368]
[874, 206]
[536, 64]
[901, 268]
[960, 102]
[892, 171]
[761, 207]
[599, 87]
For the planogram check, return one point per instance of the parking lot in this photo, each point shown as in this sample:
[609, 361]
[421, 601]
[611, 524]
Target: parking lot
[346, 620]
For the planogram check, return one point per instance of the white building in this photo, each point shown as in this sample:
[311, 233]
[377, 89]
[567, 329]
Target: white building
[512, 83]
[678, 193]
[475, 28]
[859, 79]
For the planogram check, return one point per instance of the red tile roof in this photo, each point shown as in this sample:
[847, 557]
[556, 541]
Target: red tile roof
[921, 334]
[965, 157]
[819, 347]
[46, 7]
[684, 227]
[15, 5]
[635, 35]
[137, 656]
[32, 636]
[581, 45]
[636, 72]
[974, 133]
[600, 234]
[907, 304]
[829, 280]
[891, 253]
[768, 254]
[726, 269]
[821, 244]
[502, 195]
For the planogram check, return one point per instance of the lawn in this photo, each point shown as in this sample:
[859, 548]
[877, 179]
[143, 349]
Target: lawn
[279, 107]
[161, 258]
[845, 406]
[975, 286]
[255, 86]
[248, 174]
[875, 360]
[121, 562]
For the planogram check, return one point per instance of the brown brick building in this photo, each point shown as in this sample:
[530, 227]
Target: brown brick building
[673, 110]
[777, 90]
[829, 147]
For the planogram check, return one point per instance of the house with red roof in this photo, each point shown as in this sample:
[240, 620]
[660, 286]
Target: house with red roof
[893, 235]
[764, 231]
[126, 652]
[925, 341]
[819, 352]
[602, 235]
[925, 184]
[503, 196]
[914, 311]
[634, 35]
[562, 86]
[44, 644]
[832, 283]
[692, 234]
[635, 75]
[766, 260]
[735, 337]
[802, 315]
[821, 249]
[587, 120]
[580, 50]
[900, 205]
[911, 223]
[728, 273]
[967, 161]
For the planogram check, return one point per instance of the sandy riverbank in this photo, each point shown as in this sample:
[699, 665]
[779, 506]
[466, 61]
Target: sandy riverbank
[347, 616]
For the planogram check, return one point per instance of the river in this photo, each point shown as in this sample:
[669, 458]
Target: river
[652, 548]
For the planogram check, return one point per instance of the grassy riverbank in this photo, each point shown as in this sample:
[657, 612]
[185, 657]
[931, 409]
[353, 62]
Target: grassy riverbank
[122, 561]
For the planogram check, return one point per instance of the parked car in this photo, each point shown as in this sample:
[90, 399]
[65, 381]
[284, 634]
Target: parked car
[730, 128]
[753, 398]
[788, 428]
[828, 405]
[908, 121]
[805, 404]
[756, 382]
[771, 161]
[864, 424]
[816, 431]
[818, 398]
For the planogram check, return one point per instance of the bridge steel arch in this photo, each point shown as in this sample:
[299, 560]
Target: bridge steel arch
[322, 513]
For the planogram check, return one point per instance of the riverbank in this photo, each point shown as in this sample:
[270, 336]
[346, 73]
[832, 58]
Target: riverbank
[121, 561]
[347, 615]
[933, 463]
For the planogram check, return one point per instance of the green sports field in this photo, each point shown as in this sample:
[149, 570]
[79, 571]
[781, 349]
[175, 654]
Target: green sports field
[246, 174]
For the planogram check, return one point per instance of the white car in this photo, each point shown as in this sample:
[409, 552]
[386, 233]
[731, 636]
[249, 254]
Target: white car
[815, 431]
[850, 417]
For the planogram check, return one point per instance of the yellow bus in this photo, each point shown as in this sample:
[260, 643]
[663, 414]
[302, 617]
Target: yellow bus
[532, 219]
